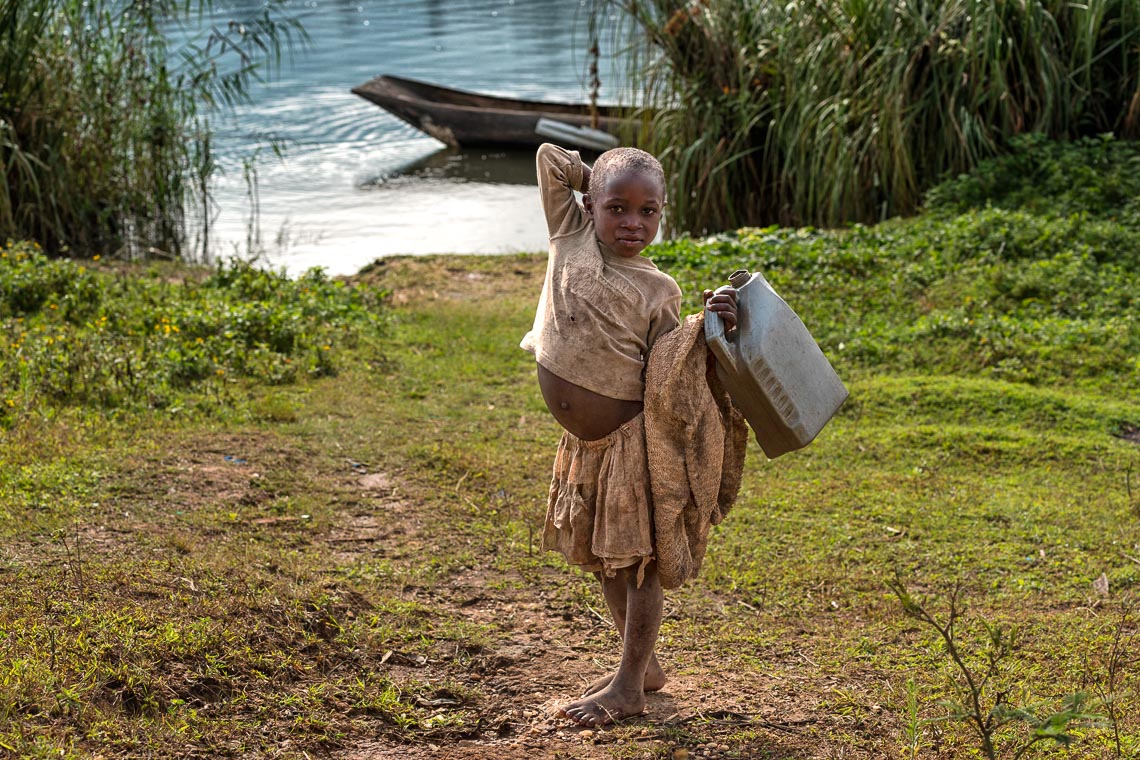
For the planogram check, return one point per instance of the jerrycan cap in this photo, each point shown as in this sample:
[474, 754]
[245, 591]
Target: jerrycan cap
[739, 278]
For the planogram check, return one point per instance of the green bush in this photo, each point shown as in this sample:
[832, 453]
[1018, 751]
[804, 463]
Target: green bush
[72, 335]
[1041, 296]
[1095, 176]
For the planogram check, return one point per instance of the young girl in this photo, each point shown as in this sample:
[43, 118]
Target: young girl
[602, 307]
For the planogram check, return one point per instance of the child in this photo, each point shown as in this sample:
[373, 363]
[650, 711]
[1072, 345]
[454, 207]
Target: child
[602, 307]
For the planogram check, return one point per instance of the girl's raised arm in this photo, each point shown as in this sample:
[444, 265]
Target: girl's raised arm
[560, 173]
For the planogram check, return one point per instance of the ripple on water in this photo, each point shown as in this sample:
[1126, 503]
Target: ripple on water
[356, 182]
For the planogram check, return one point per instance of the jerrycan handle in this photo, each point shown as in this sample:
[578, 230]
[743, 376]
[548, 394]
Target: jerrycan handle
[714, 325]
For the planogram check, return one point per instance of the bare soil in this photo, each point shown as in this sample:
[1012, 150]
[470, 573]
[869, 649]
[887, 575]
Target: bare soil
[550, 652]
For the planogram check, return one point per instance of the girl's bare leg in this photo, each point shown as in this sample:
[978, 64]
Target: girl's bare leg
[625, 695]
[615, 595]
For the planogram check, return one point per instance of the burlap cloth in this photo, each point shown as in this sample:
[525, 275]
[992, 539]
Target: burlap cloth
[695, 440]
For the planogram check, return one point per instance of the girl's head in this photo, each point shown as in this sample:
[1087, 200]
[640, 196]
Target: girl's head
[625, 197]
[619, 161]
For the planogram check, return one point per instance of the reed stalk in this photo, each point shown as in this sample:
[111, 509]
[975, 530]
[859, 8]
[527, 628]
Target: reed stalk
[827, 112]
[105, 122]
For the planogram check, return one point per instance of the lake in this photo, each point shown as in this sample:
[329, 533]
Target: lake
[356, 183]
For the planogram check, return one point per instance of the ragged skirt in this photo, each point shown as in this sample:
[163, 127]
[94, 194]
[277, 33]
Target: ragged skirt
[600, 513]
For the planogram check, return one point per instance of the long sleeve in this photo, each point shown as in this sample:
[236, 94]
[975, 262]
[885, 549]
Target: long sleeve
[559, 175]
[599, 313]
[666, 319]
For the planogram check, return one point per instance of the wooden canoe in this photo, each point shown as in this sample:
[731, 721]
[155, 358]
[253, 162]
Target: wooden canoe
[468, 119]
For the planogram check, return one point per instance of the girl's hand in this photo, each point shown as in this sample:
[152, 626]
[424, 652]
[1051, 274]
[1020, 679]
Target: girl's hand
[723, 302]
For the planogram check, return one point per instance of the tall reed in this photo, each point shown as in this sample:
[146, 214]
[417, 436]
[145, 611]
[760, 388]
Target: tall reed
[105, 123]
[833, 111]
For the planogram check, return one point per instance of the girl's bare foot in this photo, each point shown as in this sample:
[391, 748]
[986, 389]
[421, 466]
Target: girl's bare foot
[604, 707]
[639, 618]
[654, 680]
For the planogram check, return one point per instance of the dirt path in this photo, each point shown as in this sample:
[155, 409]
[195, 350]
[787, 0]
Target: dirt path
[549, 651]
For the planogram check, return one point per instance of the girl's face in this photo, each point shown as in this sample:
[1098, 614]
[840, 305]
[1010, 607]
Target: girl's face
[627, 213]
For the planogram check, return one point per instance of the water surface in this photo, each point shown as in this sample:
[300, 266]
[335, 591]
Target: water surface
[356, 183]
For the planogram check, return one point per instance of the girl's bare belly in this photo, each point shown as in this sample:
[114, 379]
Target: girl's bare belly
[583, 413]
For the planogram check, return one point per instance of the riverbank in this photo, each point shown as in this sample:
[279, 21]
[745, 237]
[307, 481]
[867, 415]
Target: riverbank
[341, 560]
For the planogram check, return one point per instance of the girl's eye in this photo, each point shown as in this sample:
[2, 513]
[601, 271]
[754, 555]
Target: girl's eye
[616, 209]
[649, 211]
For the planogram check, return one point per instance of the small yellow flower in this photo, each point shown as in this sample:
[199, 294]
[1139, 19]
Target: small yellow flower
[96, 257]
[52, 306]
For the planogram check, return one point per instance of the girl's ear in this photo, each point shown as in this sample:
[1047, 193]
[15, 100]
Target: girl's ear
[588, 203]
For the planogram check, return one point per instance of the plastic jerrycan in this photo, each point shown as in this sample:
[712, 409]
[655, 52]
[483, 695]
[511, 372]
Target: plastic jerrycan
[773, 369]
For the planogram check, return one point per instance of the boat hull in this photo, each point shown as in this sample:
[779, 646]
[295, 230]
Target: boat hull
[467, 119]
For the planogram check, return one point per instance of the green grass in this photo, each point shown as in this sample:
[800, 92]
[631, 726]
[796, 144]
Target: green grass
[221, 583]
[147, 610]
[183, 340]
[1018, 490]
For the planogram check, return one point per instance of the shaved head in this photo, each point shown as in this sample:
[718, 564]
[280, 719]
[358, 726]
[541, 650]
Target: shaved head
[621, 161]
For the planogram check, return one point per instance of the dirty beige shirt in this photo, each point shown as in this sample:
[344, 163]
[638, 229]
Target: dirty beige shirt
[599, 313]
